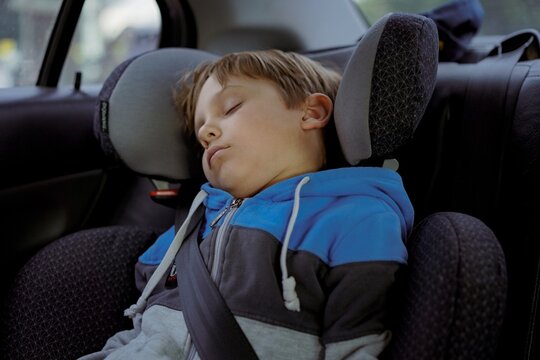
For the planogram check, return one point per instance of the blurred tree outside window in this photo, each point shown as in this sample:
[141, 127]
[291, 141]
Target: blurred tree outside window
[501, 16]
[25, 27]
[109, 32]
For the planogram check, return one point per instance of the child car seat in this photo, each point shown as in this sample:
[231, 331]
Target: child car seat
[69, 298]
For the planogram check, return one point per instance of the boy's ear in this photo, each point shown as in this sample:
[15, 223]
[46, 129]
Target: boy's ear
[317, 111]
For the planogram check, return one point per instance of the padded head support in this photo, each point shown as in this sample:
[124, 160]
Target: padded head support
[385, 89]
[386, 86]
[136, 121]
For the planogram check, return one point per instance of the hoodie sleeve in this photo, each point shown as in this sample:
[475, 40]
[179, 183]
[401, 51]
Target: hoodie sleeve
[365, 261]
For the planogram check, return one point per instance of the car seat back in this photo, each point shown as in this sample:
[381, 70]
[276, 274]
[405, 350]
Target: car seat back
[371, 65]
[476, 151]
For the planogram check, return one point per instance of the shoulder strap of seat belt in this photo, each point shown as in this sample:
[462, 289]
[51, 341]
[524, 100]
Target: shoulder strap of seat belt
[490, 99]
[211, 324]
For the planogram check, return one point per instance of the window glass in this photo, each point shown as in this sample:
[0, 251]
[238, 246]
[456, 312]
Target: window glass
[501, 17]
[109, 32]
[25, 26]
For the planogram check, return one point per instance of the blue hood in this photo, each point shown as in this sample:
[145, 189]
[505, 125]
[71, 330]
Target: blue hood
[381, 183]
[363, 213]
[349, 195]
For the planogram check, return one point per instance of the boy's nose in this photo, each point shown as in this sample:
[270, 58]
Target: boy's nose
[208, 133]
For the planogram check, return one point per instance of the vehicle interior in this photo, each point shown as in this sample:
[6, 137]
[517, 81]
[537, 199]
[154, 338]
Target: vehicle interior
[475, 152]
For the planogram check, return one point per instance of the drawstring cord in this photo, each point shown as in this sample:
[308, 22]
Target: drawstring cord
[167, 259]
[290, 296]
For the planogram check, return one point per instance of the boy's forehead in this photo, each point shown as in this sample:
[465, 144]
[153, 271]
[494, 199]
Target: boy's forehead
[228, 80]
[213, 87]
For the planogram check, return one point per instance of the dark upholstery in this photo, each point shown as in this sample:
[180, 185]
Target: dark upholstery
[477, 154]
[455, 291]
[69, 298]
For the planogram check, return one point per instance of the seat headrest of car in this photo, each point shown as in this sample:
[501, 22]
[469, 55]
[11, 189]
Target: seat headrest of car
[386, 86]
[136, 120]
[385, 89]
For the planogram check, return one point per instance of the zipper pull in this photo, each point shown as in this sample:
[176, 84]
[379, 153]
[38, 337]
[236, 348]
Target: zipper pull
[234, 204]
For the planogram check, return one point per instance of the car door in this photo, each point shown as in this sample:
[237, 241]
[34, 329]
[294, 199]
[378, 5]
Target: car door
[55, 178]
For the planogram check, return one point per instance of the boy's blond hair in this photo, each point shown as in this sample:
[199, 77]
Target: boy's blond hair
[295, 76]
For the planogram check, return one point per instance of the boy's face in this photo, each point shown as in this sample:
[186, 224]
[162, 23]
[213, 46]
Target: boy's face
[251, 139]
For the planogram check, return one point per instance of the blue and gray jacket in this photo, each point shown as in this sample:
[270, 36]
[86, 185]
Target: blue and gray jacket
[306, 267]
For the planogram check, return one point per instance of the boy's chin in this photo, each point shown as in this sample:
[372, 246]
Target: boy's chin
[238, 190]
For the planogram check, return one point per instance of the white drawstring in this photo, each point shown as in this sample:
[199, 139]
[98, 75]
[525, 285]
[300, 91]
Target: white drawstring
[288, 282]
[167, 259]
[290, 296]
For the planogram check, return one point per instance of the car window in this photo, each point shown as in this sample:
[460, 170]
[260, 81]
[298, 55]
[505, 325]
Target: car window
[25, 26]
[109, 32]
[501, 16]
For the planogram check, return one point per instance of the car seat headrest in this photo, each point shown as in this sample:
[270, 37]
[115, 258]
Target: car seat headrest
[385, 89]
[386, 86]
[136, 121]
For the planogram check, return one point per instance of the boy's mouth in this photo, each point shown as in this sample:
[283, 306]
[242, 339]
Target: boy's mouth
[212, 151]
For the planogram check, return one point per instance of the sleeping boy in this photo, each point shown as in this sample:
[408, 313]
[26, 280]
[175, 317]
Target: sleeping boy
[303, 253]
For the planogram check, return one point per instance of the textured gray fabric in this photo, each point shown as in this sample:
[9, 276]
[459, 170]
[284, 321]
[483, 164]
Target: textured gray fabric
[453, 303]
[140, 120]
[384, 92]
[68, 299]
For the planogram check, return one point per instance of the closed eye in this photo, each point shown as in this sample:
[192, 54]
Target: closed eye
[233, 109]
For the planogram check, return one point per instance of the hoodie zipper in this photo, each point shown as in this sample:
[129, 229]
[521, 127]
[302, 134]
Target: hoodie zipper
[234, 204]
[228, 212]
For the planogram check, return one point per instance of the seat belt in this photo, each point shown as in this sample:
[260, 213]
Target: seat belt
[211, 324]
[490, 100]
